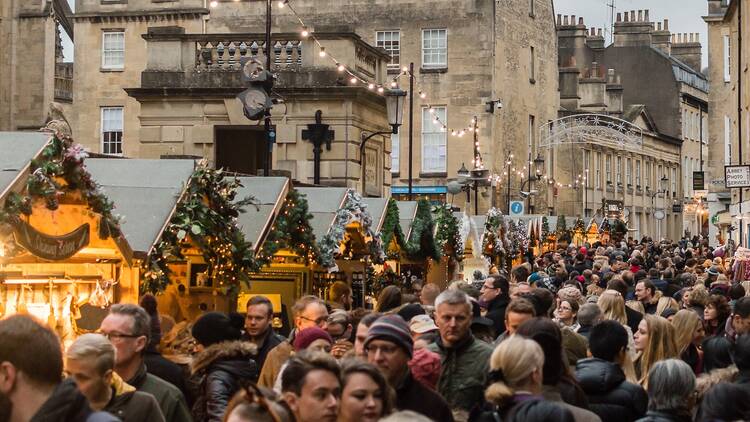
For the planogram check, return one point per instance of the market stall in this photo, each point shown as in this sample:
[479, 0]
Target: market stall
[421, 250]
[63, 258]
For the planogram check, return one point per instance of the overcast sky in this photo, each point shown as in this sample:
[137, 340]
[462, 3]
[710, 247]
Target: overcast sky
[683, 15]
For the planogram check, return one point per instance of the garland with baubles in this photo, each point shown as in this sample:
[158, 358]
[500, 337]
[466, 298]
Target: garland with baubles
[205, 218]
[291, 231]
[392, 230]
[60, 171]
[495, 244]
[421, 244]
[448, 236]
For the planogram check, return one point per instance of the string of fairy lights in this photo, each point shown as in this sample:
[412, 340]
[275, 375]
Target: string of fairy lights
[354, 79]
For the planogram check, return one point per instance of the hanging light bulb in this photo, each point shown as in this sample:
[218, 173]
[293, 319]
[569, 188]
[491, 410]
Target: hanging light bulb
[305, 32]
[353, 80]
[394, 84]
[214, 3]
[431, 110]
[340, 67]
[405, 69]
[370, 86]
[380, 89]
[282, 3]
[322, 52]
[422, 95]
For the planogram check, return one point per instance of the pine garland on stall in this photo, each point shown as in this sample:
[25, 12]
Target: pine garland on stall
[545, 228]
[421, 244]
[391, 228]
[206, 218]
[291, 231]
[495, 243]
[448, 235]
[561, 230]
[60, 170]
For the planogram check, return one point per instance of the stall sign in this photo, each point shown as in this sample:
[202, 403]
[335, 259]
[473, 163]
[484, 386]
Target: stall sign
[53, 248]
[737, 176]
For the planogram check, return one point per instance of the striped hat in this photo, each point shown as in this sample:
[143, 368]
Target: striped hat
[392, 328]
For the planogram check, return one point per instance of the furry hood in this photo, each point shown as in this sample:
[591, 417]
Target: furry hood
[228, 350]
[708, 380]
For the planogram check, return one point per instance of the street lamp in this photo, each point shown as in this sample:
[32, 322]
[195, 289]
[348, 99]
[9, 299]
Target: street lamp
[394, 105]
[663, 183]
[538, 166]
[468, 180]
[462, 174]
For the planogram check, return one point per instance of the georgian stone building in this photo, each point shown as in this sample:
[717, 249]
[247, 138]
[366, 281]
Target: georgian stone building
[728, 127]
[469, 57]
[32, 72]
[649, 141]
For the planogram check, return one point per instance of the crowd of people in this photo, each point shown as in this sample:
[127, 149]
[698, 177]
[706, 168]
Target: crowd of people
[638, 331]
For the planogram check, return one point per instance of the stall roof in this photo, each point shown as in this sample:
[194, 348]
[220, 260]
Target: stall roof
[407, 211]
[377, 208]
[144, 191]
[18, 149]
[323, 204]
[269, 192]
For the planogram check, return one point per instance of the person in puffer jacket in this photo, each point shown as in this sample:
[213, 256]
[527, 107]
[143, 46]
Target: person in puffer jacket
[610, 396]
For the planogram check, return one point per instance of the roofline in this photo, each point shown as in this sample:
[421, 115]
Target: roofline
[271, 217]
[24, 171]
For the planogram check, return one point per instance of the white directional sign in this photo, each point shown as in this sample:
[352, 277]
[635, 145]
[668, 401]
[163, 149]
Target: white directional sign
[737, 176]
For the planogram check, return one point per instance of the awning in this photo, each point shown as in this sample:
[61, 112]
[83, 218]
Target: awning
[323, 204]
[18, 149]
[269, 193]
[407, 210]
[377, 208]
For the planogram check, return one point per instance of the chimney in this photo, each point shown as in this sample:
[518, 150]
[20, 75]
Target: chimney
[687, 49]
[614, 93]
[661, 38]
[635, 31]
[569, 75]
[571, 39]
[594, 39]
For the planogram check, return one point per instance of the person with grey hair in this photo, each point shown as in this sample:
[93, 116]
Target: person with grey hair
[464, 359]
[90, 362]
[406, 416]
[671, 384]
[588, 315]
[128, 327]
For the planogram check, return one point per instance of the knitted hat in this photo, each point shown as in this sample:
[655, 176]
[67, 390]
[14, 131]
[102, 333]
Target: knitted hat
[570, 293]
[394, 329]
[304, 338]
[217, 327]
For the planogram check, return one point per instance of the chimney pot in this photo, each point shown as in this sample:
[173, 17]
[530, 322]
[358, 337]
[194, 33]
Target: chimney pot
[619, 17]
[640, 16]
[592, 32]
[573, 20]
[565, 20]
[626, 17]
[594, 70]
[645, 16]
[632, 16]
[692, 37]
[666, 24]
[697, 37]
[599, 32]
[658, 26]
[580, 21]
[559, 19]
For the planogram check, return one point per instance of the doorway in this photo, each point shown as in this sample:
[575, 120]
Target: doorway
[240, 149]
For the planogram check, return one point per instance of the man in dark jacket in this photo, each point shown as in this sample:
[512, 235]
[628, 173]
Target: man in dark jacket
[222, 364]
[31, 365]
[128, 328]
[610, 396]
[90, 361]
[258, 329]
[495, 297]
[389, 347]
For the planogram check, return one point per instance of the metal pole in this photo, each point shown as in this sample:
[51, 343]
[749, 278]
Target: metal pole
[411, 125]
[739, 111]
[507, 195]
[476, 166]
[528, 178]
[267, 121]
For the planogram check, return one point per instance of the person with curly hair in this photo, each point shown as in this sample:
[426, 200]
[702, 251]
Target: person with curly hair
[715, 315]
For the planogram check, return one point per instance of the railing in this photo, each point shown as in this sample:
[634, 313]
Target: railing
[225, 54]
[64, 82]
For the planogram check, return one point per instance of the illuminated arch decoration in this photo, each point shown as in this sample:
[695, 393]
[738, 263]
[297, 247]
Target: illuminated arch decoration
[591, 128]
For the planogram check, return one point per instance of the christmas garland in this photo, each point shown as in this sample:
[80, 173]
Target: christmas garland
[391, 228]
[518, 236]
[291, 231]
[495, 243]
[448, 236]
[421, 243]
[206, 218]
[354, 209]
[545, 227]
[60, 170]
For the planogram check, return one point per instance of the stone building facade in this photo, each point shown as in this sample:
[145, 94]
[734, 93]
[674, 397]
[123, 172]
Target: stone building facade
[31, 62]
[466, 56]
[730, 120]
[608, 80]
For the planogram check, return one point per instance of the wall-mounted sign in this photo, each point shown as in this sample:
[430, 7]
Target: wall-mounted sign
[737, 176]
[659, 214]
[613, 209]
[516, 208]
[676, 207]
[53, 248]
[699, 180]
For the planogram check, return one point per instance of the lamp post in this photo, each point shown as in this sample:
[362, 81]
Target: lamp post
[474, 179]
[394, 104]
[663, 189]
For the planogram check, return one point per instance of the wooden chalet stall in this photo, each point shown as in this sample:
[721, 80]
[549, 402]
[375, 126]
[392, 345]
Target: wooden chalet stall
[62, 256]
[472, 230]
[347, 239]
[421, 251]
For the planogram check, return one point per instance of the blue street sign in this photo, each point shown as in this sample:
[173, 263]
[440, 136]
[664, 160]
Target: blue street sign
[516, 208]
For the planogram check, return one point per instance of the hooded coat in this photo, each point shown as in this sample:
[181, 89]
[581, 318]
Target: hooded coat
[67, 404]
[610, 395]
[218, 372]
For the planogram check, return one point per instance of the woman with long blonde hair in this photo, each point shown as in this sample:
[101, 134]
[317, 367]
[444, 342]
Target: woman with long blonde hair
[689, 334]
[654, 341]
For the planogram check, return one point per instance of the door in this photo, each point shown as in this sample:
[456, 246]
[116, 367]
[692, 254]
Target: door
[241, 149]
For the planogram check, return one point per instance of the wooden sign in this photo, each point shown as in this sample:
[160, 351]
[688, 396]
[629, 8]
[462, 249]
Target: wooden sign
[53, 248]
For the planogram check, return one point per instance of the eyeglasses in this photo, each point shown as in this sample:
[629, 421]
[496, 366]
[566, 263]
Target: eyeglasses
[386, 350]
[117, 336]
[319, 321]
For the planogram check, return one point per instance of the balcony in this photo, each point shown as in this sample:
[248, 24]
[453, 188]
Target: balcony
[194, 61]
[64, 82]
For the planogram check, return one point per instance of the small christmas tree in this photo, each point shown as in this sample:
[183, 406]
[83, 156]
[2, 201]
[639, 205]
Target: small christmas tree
[561, 230]
[579, 226]
[545, 227]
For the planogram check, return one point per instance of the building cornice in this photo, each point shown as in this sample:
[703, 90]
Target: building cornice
[141, 15]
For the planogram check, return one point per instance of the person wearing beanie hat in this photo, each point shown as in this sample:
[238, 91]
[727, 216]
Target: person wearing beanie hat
[156, 364]
[222, 363]
[313, 338]
[389, 347]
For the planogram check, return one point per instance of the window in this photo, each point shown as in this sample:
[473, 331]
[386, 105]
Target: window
[390, 41]
[113, 50]
[629, 172]
[395, 152]
[648, 174]
[686, 166]
[586, 165]
[531, 65]
[598, 170]
[434, 48]
[608, 169]
[531, 8]
[112, 130]
[727, 140]
[638, 174]
[684, 123]
[433, 141]
[618, 169]
[532, 139]
[727, 59]
[674, 180]
[659, 175]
